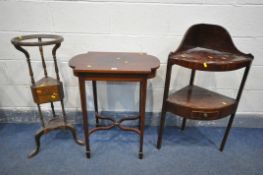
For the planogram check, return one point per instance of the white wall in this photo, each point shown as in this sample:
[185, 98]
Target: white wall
[152, 26]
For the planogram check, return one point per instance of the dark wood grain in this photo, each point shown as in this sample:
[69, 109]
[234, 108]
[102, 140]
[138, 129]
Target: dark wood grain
[197, 103]
[113, 66]
[210, 60]
[114, 63]
[47, 89]
[209, 48]
[205, 47]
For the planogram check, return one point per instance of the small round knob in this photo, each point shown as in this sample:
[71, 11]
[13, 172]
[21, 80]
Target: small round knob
[53, 96]
[205, 115]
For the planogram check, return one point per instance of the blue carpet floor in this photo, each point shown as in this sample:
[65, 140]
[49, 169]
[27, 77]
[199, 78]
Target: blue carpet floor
[193, 151]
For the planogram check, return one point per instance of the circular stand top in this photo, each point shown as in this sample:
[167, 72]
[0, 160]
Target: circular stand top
[45, 39]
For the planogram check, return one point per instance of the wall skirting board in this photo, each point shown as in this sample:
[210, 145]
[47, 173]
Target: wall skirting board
[247, 120]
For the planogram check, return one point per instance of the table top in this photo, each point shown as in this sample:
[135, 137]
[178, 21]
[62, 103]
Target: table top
[114, 63]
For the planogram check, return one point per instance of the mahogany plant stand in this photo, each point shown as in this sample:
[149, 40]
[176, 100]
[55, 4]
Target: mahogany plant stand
[47, 89]
[205, 48]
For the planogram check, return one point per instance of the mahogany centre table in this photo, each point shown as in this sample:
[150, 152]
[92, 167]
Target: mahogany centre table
[113, 66]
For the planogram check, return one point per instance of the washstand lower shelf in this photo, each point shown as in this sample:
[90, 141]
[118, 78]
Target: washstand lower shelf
[198, 103]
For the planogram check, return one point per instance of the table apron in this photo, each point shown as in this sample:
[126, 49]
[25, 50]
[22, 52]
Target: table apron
[113, 77]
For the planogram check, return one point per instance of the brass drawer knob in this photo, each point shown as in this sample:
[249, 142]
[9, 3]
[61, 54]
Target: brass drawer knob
[205, 115]
[54, 95]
